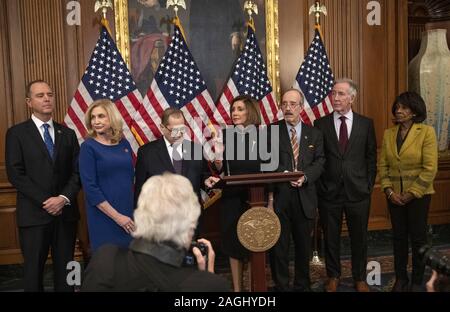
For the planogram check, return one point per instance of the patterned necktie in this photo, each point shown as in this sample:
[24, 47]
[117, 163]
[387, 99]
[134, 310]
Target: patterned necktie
[295, 147]
[176, 160]
[343, 134]
[48, 139]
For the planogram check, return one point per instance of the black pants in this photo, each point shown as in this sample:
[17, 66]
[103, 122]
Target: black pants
[357, 219]
[293, 221]
[35, 242]
[409, 222]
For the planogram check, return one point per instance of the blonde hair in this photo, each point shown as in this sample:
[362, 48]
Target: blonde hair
[167, 210]
[115, 119]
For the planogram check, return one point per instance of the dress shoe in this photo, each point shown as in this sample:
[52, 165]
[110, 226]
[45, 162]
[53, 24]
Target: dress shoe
[361, 286]
[332, 284]
[400, 286]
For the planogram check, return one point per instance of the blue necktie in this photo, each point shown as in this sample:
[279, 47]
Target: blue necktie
[48, 139]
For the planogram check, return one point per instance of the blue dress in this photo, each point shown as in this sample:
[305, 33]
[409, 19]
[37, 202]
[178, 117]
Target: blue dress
[107, 173]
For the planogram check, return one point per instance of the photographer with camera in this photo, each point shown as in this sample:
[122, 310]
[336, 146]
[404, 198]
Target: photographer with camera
[440, 265]
[165, 218]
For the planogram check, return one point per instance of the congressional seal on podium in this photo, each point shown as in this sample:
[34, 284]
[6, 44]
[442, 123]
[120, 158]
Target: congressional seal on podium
[258, 229]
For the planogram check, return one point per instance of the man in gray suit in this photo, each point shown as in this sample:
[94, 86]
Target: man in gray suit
[347, 183]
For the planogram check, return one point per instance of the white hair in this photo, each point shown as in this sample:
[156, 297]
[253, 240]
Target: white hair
[353, 87]
[167, 210]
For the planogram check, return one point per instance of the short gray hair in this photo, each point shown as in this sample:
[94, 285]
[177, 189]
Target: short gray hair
[167, 210]
[353, 85]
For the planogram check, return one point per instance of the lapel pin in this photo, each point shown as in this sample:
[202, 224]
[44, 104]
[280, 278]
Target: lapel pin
[126, 150]
[59, 131]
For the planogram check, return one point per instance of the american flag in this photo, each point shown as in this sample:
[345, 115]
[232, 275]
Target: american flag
[315, 79]
[249, 77]
[106, 76]
[177, 83]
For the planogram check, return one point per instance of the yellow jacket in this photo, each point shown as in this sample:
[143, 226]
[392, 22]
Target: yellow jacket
[416, 164]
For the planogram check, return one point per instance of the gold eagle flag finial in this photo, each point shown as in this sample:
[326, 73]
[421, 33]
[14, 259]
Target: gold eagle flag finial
[250, 8]
[176, 4]
[104, 5]
[317, 9]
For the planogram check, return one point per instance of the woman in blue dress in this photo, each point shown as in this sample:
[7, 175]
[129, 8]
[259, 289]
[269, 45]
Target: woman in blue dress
[107, 173]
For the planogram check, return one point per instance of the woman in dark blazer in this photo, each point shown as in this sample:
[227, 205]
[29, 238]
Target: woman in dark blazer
[407, 168]
[244, 112]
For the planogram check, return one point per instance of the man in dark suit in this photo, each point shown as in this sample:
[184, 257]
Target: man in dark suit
[42, 164]
[295, 203]
[171, 153]
[347, 183]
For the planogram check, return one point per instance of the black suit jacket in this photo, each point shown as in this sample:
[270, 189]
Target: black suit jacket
[154, 159]
[115, 269]
[356, 167]
[311, 162]
[37, 177]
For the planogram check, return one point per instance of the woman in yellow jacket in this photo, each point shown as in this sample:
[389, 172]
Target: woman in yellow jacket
[407, 168]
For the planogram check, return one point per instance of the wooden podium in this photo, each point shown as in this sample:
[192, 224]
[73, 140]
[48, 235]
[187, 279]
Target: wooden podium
[255, 184]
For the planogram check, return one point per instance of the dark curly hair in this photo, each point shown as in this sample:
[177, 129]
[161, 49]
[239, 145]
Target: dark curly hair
[414, 102]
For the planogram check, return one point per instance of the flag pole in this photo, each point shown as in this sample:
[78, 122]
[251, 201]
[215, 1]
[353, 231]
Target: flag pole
[251, 8]
[176, 20]
[317, 10]
[104, 5]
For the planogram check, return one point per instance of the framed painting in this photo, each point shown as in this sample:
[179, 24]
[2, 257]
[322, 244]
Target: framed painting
[215, 33]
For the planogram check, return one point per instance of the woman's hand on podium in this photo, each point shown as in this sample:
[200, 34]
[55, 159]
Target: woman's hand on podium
[211, 181]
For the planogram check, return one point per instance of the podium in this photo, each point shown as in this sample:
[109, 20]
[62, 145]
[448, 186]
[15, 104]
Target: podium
[255, 184]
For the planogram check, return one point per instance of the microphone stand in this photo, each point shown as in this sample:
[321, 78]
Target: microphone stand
[316, 236]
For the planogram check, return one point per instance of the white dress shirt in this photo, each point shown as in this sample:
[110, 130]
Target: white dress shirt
[169, 146]
[348, 121]
[40, 125]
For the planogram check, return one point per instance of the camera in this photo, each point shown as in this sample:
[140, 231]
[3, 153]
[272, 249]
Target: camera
[190, 259]
[434, 259]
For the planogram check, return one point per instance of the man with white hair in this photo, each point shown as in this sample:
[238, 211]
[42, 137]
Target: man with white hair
[346, 183]
[165, 220]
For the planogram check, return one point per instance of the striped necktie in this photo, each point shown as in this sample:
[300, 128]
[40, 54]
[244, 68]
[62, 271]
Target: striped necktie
[295, 147]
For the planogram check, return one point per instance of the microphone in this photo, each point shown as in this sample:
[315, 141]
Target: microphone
[228, 168]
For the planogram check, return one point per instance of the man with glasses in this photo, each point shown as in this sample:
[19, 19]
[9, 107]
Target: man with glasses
[295, 203]
[171, 153]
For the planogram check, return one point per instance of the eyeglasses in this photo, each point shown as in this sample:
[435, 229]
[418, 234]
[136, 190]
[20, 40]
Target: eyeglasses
[176, 131]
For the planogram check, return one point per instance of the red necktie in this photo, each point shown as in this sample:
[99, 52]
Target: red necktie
[343, 134]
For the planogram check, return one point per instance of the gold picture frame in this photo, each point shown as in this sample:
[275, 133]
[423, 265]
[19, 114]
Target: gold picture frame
[272, 38]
